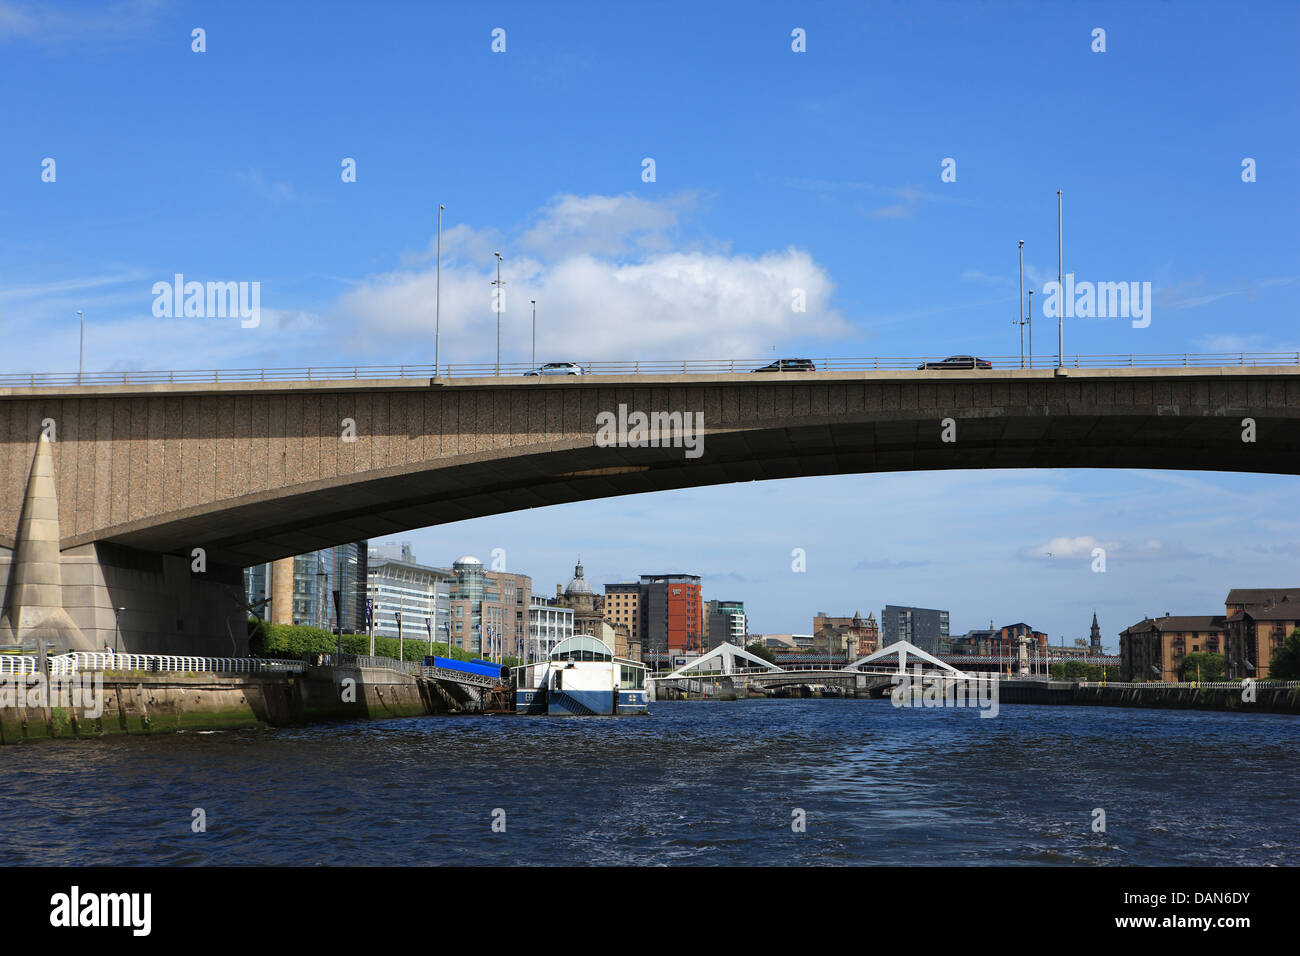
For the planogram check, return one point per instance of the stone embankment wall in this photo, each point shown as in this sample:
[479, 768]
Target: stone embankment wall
[142, 703]
[1272, 700]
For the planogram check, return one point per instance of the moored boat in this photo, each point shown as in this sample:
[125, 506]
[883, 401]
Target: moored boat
[581, 678]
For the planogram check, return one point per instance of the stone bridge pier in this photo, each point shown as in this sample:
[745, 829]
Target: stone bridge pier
[100, 595]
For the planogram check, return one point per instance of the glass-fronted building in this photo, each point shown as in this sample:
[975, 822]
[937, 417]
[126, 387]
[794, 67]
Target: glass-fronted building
[316, 576]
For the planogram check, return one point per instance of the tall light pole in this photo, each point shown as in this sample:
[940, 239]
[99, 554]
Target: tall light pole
[497, 302]
[322, 590]
[534, 333]
[1060, 279]
[1031, 328]
[1020, 319]
[437, 304]
[81, 355]
[370, 612]
[117, 613]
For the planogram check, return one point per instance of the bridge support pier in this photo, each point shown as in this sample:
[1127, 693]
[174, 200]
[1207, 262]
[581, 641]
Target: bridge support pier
[68, 599]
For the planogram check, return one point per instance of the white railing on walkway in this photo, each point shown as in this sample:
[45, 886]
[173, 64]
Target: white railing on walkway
[635, 367]
[17, 664]
[73, 663]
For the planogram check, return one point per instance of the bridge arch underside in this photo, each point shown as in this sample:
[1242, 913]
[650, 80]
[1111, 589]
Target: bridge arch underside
[296, 519]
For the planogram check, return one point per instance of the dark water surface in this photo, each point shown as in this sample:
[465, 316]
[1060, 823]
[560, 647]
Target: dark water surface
[708, 783]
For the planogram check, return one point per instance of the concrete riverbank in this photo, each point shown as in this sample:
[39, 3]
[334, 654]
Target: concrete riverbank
[152, 703]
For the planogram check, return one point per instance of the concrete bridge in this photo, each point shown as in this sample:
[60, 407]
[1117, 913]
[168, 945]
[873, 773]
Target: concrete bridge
[140, 485]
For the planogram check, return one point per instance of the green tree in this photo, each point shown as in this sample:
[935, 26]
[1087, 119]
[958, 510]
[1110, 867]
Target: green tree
[1201, 666]
[758, 650]
[1285, 664]
[295, 640]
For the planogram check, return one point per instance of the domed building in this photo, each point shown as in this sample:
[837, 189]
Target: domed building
[579, 595]
[489, 609]
[589, 614]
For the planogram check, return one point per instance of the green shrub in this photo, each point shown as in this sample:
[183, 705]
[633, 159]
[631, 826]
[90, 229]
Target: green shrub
[295, 640]
[1201, 666]
[1079, 670]
[1285, 664]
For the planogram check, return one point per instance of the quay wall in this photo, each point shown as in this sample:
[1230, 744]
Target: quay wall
[1273, 700]
[140, 703]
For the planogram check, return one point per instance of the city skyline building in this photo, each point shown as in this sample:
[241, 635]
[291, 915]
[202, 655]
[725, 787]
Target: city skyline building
[419, 593]
[724, 622]
[300, 589]
[671, 613]
[926, 628]
[489, 609]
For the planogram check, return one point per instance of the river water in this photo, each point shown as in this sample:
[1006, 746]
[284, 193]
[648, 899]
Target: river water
[695, 782]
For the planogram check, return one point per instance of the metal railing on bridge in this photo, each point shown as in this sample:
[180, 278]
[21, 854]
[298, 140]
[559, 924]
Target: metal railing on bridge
[333, 373]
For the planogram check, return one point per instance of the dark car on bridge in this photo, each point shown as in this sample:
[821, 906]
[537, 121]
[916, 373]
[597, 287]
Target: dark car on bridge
[789, 365]
[955, 361]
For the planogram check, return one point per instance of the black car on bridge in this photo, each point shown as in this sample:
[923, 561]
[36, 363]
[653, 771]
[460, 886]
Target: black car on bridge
[789, 365]
[955, 362]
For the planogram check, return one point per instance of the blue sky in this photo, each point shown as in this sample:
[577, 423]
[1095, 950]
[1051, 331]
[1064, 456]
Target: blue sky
[774, 169]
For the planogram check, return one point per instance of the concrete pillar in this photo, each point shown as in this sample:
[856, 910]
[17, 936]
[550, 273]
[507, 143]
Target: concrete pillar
[35, 612]
[282, 591]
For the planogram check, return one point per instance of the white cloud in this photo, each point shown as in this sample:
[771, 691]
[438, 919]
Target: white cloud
[610, 284]
[64, 23]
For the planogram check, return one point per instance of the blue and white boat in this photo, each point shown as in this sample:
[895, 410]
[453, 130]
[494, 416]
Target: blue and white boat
[581, 678]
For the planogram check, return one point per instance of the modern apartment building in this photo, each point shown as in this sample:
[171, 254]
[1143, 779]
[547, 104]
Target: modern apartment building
[725, 622]
[923, 627]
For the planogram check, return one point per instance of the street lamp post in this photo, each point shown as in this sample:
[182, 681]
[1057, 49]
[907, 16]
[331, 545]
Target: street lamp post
[534, 333]
[1060, 288]
[1020, 320]
[498, 301]
[322, 588]
[117, 614]
[437, 307]
[81, 355]
[370, 614]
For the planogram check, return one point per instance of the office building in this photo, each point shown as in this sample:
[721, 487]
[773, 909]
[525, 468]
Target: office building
[489, 610]
[420, 594]
[301, 589]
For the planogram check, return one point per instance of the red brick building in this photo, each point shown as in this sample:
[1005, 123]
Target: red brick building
[672, 613]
